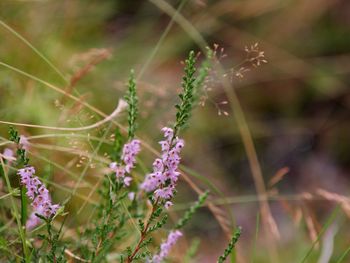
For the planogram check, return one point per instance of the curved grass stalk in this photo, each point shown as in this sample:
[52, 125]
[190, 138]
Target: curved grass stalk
[40, 54]
[86, 168]
[245, 199]
[47, 84]
[343, 256]
[66, 135]
[60, 167]
[121, 106]
[210, 185]
[7, 195]
[329, 221]
[161, 39]
[71, 151]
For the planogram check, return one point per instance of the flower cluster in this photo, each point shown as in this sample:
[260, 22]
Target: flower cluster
[130, 150]
[23, 142]
[166, 246]
[165, 169]
[38, 193]
[8, 155]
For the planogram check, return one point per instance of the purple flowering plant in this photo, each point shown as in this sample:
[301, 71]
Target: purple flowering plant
[132, 209]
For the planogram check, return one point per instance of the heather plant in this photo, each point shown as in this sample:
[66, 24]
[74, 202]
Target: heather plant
[80, 185]
[131, 216]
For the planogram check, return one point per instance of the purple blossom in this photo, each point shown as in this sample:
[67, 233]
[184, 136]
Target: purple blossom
[165, 192]
[38, 193]
[118, 169]
[165, 170]
[168, 204]
[130, 150]
[166, 246]
[127, 180]
[23, 142]
[8, 155]
[168, 133]
[32, 221]
[131, 196]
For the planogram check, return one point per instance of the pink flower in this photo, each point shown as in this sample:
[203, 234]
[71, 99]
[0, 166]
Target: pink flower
[168, 204]
[127, 180]
[131, 196]
[32, 221]
[166, 246]
[23, 142]
[8, 155]
[130, 150]
[168, 133]
[164, 193]
[165, 170]
[37, 192]
[118, 169]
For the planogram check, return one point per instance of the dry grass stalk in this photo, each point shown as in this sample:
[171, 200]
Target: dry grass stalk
[342, 200]
[93, 57]
[279, 175]
[310, 224]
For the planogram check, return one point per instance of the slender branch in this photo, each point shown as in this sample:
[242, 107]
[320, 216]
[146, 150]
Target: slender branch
[143, 233]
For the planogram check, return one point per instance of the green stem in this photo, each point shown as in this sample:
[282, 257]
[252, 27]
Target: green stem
[23, 206]
[21, 231]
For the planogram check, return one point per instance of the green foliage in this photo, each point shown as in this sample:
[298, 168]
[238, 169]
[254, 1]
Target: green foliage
[190, 212]
[117, 146]
[142, 255]
[21, 159]
[21, 153]
[131, 98]
[14, 136]
[159, 224]
[108, 227]
[109, 222]
[192, 250]
[187, 96]
[202, 74]
[51, 240]
[231, 245]
[156, 213]
[146, 242]
[141, 225]
[146, 228]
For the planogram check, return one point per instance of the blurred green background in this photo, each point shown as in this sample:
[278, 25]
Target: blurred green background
[296, 105]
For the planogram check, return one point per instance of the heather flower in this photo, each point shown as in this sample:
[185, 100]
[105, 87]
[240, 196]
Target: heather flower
[130, 150]
[166, 246]
[131, 196]
[38, 193]
[165, 169]
[118, 169]
[8, 155]
[32, 221]
[127, 180]
[165, 192]
[168, 133]
[168, 204]
[23, 142]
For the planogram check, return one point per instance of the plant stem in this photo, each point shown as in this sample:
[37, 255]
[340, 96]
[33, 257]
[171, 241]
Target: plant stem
[21, 231]
[23, 206]
[143, 233]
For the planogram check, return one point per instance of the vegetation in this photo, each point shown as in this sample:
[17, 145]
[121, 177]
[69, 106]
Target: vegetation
[104, 148]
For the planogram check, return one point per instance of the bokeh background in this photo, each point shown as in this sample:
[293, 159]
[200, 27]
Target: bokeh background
[296, 107]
